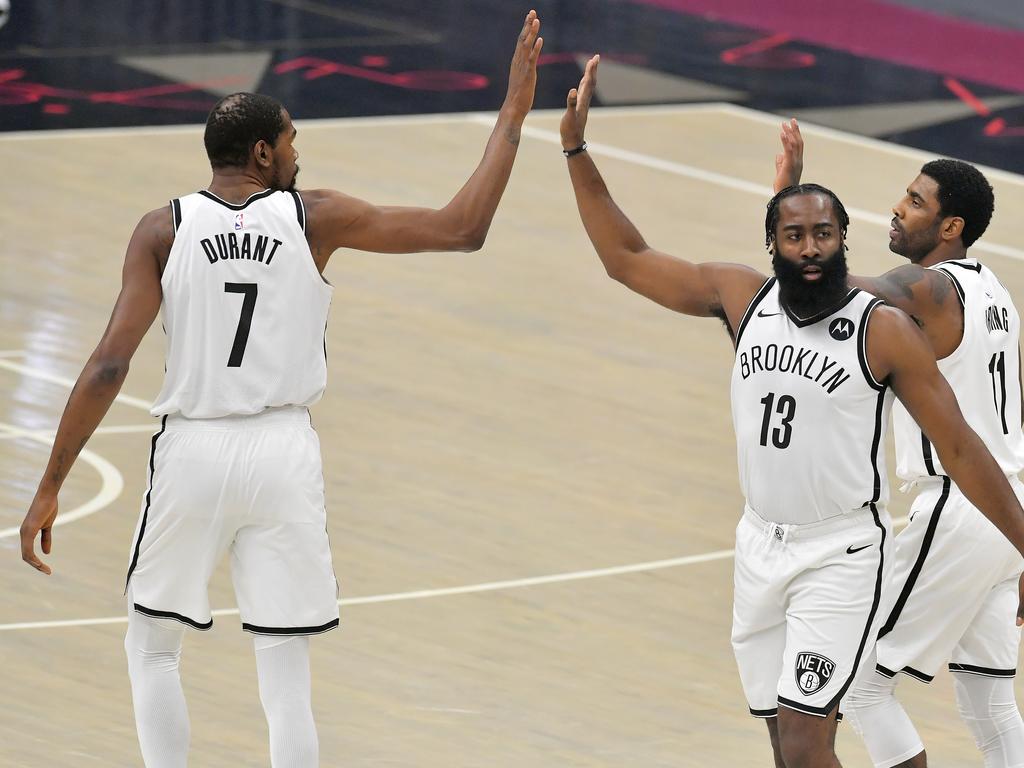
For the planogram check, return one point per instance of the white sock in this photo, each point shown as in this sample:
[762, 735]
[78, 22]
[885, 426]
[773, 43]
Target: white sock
[153, 647]
[879, 719]
[988, 707]
[282, 664]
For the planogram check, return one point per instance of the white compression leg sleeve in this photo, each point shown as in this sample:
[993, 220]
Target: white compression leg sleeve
[879, 719]
[988, 707]
[282, 664]
[153, 647]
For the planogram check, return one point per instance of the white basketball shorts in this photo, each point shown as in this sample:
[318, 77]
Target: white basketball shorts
[249, 485]
[956, 590]
[808, 603]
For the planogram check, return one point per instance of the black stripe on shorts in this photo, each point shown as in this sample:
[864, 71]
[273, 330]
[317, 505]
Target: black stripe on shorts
[145, 511]
[970, 669]
[258, 630]
[915, 572]
[172, 615]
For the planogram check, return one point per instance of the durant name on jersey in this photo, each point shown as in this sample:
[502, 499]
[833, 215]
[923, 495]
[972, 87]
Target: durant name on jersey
[230, 246]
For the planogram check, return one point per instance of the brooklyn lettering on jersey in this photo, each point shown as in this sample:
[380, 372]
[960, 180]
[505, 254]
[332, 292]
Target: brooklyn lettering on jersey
[231, 246]
[997, 318]
[810, 364]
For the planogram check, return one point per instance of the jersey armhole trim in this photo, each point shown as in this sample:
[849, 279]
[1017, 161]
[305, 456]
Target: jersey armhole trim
[758, 298]
[862, 346]
[176, 214]
[300, 211]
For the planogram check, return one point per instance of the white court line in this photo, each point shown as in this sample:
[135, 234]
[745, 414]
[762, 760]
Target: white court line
[343, 122]
[423, 594]
[731, 182]
[49, 433]
[110, 488]
[37, 373]
[858, 140]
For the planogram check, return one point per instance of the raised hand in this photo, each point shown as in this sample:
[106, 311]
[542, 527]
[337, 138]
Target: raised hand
[522, 76]
[40, 517]
[789, 165]
[577, 107]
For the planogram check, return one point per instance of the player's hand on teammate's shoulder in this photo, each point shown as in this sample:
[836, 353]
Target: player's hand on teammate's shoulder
[789, 164]
[577, 107]
[522, 76]
[40, 517]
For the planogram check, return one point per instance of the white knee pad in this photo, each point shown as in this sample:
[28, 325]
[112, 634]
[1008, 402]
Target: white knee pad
[879, 719]
[988, 707]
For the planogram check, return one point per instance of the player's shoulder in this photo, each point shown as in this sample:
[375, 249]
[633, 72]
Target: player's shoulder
[157, 226]
[892, 327]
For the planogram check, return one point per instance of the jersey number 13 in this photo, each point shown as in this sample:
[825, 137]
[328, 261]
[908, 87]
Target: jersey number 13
[785, 408]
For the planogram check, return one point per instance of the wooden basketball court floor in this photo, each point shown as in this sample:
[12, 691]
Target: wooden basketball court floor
[531, 478]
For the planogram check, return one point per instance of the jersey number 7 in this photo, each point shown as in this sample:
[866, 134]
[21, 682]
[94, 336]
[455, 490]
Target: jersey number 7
[248, 290]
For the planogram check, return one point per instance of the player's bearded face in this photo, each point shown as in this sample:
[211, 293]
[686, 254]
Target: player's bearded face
[806, 298]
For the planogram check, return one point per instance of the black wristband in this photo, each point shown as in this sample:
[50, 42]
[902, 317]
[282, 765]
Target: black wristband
[570, 152]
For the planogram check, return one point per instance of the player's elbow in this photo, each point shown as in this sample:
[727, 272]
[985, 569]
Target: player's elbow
[107, 371]
[616, 265]
[471, 239]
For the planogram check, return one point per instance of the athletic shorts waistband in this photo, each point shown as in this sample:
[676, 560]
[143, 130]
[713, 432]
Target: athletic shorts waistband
[271, 417]
[791, 531]
[930, 482]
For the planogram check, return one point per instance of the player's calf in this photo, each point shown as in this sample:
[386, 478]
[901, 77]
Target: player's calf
[807, 741]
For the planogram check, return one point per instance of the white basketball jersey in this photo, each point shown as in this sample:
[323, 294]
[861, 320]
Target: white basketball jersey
[808, 414]
[983, 373]
[244, 308]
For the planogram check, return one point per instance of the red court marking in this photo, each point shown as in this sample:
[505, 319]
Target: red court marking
[995, 127]
[880, 30]
[764, 54]
[418, 80]
[963, 93]
[375, 61]
[570, 57]
[15, 91]
[56, 109]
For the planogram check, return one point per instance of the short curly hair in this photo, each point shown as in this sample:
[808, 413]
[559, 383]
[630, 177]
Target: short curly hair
[965, 192]
[771, 219]
[237, 123]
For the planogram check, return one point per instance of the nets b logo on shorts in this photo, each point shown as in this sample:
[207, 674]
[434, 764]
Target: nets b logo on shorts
[813, 672]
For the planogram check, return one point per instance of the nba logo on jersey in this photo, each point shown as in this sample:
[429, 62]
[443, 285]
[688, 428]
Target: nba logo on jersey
[841, 329]
[812, 672]
[238, 221]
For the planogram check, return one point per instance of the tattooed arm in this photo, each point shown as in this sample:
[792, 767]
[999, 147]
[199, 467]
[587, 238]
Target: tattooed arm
[928, 296]
[101, 379]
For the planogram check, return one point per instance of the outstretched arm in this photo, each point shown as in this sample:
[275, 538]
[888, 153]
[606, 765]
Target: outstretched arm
[712, 289]
[335, 220]
[898, 349]
[104, 373]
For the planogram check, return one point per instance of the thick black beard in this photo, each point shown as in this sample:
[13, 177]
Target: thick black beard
[806, 299]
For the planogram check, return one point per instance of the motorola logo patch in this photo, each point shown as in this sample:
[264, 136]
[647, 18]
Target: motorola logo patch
[841, 329]
[813, 671]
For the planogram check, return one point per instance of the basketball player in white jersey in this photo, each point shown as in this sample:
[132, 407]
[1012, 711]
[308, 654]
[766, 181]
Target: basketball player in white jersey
[817, 362]
[236, 270]
[956, 577]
